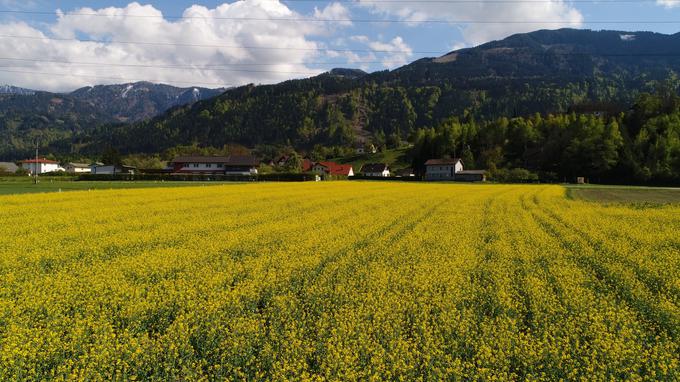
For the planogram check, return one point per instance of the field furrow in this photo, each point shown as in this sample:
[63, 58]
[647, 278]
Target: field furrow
[337, 281]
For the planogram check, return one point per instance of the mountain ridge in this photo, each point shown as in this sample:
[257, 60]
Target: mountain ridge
[546, 71]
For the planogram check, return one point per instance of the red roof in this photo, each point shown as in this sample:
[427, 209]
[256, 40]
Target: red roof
[336, 169]
[40, 160]
[307, 165]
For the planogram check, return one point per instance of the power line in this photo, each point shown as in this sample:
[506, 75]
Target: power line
[376, 21]
[599, 2]
[205, 67]
[220, 46]
[155, 66]
[115, 78]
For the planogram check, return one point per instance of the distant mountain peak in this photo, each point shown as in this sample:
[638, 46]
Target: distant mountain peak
[346, 72]
[9, 89]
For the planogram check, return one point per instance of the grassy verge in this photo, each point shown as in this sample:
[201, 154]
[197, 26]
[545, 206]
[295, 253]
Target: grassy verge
[624, 194]
[395, 158]
[15, 185]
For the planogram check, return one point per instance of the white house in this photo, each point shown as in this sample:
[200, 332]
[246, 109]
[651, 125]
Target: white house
[443, 169]
[97, 169]
[376, 170]
[41, 166]
[78, 168]
[215, 165]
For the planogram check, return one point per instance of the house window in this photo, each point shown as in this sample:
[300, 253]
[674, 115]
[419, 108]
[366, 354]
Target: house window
[194, 165]
[209, 165]
[220, 165]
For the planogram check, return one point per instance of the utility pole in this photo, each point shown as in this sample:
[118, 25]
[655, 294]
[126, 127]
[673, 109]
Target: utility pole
[35, 165]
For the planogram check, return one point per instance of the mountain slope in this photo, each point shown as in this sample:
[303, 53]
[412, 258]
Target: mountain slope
[9, 90]
[539, 72]
[65, 121]
[141, 100]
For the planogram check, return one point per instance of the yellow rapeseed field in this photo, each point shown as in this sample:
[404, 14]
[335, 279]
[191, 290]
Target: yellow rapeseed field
[337, 281]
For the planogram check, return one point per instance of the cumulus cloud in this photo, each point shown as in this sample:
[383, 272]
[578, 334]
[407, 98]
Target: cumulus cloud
[516, 17]
[388, 54]
[205, 47]
[668, 3]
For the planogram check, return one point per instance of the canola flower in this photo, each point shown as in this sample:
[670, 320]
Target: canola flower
[337, 282]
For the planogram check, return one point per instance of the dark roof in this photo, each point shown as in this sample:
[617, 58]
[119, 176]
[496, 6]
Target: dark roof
[374, 167]
[441, 162]
[201, 159]
[471, 172]
[78, 164]
[9, 166]
[234, 160]
[243, 160]
[406, 171]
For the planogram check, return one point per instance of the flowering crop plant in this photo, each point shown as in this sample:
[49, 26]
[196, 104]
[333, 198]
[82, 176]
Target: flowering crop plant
[337, 281]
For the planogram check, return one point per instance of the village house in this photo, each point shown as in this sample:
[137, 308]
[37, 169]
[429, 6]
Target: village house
[8, 167]
[78, 168]
[452, 169]
[215, 165]
[101, 169]
[334, 169]
[41, 166]
[443, 169]
[376, 170]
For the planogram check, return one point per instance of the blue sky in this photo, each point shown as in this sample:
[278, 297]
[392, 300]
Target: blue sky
[226, 43]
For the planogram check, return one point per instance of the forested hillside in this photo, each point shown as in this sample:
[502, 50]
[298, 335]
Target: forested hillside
[67, 122]
[536, 79]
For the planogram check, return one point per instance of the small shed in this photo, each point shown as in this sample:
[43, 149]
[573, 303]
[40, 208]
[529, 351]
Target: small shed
[471, 176]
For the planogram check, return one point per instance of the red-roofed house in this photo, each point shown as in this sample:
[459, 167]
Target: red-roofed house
[332, 168]
[41, 166]
[307, 165]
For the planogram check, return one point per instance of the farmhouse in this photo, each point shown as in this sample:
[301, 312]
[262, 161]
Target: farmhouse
[443, 169]
[78, 168]
[100, 169]
[215, 165]
[41, 166]
[8, 167]
[376, 170]
[452, 169]
[332, 168]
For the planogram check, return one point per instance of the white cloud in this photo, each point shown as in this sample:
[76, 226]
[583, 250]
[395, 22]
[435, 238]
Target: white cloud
[390, 54]
[517, 17]
[668, 3]
[334, 11]
[232, 44]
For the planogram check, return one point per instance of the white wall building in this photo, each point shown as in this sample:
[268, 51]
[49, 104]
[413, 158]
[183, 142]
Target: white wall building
[443, 169]
[78, 168]
[41, 166]
[96, 169]
[205, 165]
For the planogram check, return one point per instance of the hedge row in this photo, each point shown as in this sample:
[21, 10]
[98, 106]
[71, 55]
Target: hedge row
[200, 178]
